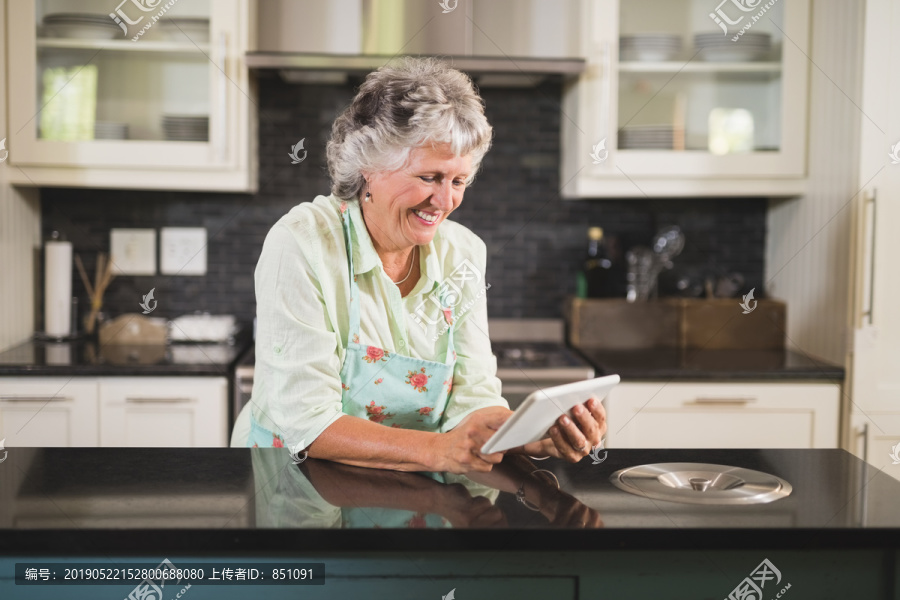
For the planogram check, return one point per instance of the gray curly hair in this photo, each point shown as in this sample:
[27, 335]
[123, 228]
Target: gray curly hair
[401, 107]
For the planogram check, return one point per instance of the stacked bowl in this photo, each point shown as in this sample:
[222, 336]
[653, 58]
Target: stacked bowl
[649, 46]
[186, 128]
[647, 137]
[106, 130]
[715, 47]
[85, 26]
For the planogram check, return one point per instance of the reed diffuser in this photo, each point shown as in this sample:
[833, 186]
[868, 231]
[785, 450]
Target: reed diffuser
[102, 278]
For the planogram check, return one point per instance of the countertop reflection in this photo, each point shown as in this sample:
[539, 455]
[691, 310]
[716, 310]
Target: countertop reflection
[323, 494]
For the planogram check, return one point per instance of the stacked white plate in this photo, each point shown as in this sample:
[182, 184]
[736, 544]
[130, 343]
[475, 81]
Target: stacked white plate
[647, 137]
[717, 47]
[105, 130]
[649, 46]
[85, 26]
[195, 28]
[186, 128]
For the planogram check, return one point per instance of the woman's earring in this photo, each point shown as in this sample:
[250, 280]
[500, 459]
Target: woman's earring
[368, 197]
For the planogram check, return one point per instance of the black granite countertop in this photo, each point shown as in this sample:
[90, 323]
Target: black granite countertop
[235, 500]
[715, 365]
[88, 358]
[712, 365]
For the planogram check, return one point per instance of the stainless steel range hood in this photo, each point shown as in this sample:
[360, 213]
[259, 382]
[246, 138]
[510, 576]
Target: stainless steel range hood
[499, 42]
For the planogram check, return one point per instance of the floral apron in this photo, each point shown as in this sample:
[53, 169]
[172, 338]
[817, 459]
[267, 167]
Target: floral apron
[389, 388]
[381, 386]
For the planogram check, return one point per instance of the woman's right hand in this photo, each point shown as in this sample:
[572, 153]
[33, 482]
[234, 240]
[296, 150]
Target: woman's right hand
[459, 450]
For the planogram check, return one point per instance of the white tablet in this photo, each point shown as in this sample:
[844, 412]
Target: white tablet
[542, 408]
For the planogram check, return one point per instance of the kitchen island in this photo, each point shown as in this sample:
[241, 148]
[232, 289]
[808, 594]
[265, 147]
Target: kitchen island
[511, 533]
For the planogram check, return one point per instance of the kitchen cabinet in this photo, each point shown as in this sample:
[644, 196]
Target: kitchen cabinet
[873, 410]
[163, 411]
[48, 411]
[114, 411]
[723, 415]
[675, 115]
[93, 106]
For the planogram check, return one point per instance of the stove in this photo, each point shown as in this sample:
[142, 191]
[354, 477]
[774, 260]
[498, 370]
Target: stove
[531, 355]
[542, 359]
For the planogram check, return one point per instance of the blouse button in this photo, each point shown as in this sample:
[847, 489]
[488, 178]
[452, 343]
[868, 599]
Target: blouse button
[277, 349]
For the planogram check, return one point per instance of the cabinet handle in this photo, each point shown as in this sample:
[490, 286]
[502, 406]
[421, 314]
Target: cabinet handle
[34, 398]
[869, 312]
[137, 400]
[720, 401]
[864, 434]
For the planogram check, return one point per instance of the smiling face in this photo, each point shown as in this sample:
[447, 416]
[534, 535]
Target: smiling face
[409, 204]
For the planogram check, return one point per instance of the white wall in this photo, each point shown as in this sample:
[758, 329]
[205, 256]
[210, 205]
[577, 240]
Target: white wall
[20, 223]
[808, 242]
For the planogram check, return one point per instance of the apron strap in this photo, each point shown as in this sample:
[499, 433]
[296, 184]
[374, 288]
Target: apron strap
[354, 288]
[449, 355]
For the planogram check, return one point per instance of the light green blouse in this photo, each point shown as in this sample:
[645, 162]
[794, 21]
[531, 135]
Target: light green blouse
[302, 292]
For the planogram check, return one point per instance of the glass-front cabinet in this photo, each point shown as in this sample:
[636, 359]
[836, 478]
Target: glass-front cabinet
[131, 93]
[688, 97]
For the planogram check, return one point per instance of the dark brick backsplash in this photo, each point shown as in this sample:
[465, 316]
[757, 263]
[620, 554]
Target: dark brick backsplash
[535, 239]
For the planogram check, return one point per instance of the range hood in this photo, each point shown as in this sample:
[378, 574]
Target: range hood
[498, 42]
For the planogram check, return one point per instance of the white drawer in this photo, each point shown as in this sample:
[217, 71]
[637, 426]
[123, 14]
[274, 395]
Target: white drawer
[164, 411]
[723, 415]
[48, 411]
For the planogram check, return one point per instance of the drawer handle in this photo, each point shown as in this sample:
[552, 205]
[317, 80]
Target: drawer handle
[721, 401]
[34, 398]
[137, 400]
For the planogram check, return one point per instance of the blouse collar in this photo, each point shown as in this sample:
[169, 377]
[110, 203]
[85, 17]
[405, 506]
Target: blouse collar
[366, 258]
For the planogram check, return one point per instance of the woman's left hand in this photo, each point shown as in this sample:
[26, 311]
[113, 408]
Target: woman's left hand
[573, 439]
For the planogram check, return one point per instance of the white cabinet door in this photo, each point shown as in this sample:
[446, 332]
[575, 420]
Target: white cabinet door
[48, 411]
[876, 285]
[164, 411]
[611, 139]
[723, 415]
[171, 109]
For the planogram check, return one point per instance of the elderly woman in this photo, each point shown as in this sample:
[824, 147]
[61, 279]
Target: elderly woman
[372, 345]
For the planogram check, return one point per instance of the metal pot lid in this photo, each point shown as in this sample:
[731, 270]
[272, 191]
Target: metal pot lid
[701, 483]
